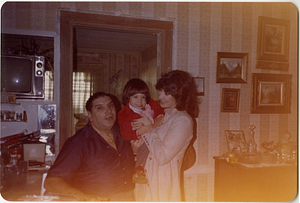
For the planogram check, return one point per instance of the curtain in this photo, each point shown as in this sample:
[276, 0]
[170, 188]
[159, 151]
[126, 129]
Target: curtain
[82, 90]
[49, 85]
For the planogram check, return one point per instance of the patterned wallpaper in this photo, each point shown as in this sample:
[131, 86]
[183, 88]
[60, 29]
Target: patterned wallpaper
[201, 29]
[105, 64]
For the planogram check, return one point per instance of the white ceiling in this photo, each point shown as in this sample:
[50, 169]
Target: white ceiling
[115, 40]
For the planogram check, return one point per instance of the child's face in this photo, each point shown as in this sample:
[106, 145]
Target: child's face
[138, 100]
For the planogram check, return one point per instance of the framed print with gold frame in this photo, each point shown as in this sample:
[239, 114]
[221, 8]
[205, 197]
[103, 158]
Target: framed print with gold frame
[273, 44]
[230, 100]
[232, 67]
[271, 93]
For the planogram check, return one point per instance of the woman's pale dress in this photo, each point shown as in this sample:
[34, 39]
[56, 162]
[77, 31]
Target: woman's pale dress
[167, 145]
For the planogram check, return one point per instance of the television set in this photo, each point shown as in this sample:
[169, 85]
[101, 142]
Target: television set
[23, 76]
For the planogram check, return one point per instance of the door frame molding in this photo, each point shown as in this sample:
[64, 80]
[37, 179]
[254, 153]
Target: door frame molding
[70, 20]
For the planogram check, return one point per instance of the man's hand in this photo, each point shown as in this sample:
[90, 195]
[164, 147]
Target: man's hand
[136, 144]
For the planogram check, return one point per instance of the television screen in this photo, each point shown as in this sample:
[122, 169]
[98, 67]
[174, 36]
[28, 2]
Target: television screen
[16, 75]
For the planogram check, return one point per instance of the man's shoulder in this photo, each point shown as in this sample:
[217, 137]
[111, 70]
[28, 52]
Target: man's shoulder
[83, 133]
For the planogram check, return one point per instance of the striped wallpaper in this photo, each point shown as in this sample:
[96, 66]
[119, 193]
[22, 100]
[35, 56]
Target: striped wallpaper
[201, 29]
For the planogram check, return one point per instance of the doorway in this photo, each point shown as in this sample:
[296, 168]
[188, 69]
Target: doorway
[105, 59]
[74, 21]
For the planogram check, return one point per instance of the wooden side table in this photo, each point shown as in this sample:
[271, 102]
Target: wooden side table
[254, 182]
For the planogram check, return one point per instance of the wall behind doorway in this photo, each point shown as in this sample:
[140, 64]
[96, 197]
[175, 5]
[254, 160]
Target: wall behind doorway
[104, 64]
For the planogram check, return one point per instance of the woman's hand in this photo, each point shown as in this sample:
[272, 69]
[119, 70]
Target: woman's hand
[137, 123]
[145, 129]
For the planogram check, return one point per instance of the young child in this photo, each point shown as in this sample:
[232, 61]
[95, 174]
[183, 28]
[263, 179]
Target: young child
[136, 99]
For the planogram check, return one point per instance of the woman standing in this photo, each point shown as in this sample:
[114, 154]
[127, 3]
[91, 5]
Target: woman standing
[168, 143]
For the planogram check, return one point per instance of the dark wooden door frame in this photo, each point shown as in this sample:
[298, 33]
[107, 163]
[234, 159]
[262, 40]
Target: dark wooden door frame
[70, 20]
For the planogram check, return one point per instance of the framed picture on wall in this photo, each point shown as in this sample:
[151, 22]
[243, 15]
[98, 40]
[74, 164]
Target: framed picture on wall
[273, 43]
[230, 100]
[271, 93]
[200, 85]
[232, 67]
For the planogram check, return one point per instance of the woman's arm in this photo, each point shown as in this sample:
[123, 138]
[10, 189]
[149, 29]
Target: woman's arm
[178, 136]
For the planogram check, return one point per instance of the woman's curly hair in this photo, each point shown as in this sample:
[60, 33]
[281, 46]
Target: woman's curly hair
[182, 87]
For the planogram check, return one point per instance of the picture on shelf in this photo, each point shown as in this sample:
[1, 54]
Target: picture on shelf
[236, 141]
[47, 118]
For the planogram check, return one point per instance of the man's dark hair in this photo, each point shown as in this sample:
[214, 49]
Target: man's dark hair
[89, 103]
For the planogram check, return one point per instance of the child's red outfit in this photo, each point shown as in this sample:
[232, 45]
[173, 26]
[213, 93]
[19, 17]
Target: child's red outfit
[127, 115]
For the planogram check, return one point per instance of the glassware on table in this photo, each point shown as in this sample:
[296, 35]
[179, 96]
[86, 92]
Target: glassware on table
[251, 145]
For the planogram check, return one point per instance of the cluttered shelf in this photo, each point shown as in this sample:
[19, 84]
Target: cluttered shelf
[24, 159]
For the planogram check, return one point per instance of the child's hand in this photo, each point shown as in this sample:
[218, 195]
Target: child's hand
[158, 121]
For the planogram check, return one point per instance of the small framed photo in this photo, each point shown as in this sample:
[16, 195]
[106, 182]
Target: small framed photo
[230, 100]
[47, 118]
[235, 141]
[271, 93]
[273, 43]
[200, 85]
[232, 67]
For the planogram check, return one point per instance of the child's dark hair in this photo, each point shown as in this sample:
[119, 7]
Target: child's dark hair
[135, 86]
[182, 87]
